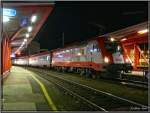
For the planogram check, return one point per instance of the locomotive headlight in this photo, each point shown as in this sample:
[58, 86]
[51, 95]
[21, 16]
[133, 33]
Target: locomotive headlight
[106, 59]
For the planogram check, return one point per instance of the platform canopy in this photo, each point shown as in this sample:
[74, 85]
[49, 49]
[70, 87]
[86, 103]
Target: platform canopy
[129, 32]
[22, 21]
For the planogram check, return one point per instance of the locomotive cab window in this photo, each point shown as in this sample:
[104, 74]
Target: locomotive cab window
[113, 46]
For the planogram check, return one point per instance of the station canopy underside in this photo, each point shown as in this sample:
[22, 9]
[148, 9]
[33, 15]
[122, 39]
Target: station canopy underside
[129, 32]
[22, 21]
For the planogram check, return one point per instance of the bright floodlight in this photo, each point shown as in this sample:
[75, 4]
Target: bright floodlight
[143, 31]
[29, 29]
[27, 35]
[33, 18]
[5, 19]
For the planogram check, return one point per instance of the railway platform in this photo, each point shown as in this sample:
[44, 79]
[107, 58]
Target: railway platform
[21, 92]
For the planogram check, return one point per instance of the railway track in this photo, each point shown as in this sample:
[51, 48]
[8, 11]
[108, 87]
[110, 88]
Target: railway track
[103, 101]
[75, 95]
[131, 83]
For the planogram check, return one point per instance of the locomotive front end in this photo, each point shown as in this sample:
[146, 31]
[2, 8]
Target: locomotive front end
[117, 62]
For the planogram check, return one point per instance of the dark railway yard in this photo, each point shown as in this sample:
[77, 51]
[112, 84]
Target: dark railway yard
[73, 92]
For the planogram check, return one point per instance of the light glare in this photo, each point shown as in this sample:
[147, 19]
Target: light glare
[29, 29]
[25, 40]
[33, 18]
[112, 39]
[79, 54]
[127, 60]
[27, 35]
[143, 31]
[106, 59]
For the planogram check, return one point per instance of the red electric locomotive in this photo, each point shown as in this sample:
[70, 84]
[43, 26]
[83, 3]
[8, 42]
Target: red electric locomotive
[97, 55]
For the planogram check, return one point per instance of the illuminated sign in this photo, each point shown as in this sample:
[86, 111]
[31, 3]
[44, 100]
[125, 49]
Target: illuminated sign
[9, 12]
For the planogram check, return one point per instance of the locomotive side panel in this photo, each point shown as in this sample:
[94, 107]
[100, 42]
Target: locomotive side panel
[87, 55]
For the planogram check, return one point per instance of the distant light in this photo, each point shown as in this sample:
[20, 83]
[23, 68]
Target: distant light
[142, 51]
[23, 43]
[143, 31]
[29, 29]
[112, 39]
[5, 19]
[33, 18]
[127, 60]
[118, 48]
[27, 35]
[91, 50]
[123, 39]
[25, 40]
[79, 54]
[67, 51]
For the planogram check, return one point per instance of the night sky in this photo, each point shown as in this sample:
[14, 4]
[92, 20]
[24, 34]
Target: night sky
[84, 20]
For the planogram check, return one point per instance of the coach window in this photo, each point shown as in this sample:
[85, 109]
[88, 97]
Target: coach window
[48, 58]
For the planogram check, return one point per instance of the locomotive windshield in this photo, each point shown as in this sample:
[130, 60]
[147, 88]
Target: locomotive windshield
[113, 46]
